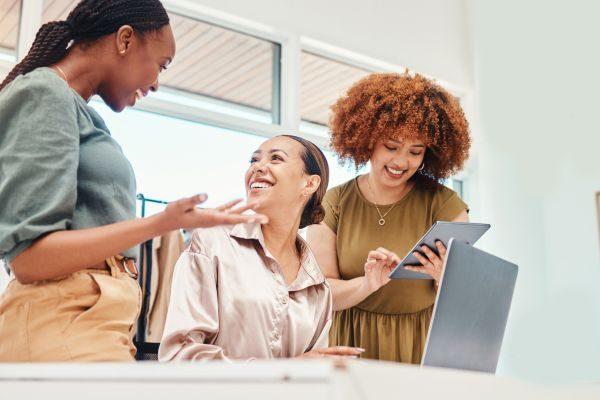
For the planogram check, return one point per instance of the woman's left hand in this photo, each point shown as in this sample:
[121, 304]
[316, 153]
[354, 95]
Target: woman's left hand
[431, 263]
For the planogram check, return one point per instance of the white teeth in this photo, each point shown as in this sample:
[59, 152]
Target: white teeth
[139, 94]
[260, 185]
[395, 171]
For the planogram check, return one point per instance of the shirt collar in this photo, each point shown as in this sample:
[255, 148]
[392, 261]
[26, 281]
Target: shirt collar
[309, 274]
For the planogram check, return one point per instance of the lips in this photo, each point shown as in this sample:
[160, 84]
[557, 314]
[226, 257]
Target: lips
[260, 184]
[395, 173]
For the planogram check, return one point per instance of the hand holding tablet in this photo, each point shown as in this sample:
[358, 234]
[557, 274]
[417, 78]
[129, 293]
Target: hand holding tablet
[465, 232]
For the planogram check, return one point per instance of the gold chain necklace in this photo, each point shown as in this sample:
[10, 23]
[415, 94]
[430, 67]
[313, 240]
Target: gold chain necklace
[59, 69]
[381, 216]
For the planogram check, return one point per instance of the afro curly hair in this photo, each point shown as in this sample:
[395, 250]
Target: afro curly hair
[401, 106]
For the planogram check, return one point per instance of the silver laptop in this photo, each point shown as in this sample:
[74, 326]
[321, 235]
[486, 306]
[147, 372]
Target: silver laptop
[471, 310]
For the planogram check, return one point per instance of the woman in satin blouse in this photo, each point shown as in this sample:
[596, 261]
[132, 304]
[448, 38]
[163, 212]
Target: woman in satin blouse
[251, 291]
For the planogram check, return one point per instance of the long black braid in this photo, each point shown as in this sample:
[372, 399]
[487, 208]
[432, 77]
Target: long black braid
[89, 20]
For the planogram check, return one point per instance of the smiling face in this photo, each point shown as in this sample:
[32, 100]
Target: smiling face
[276, 179]
[395, 161]
[139, 59]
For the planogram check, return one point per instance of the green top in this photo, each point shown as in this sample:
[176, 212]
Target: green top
[355, 221]
[59, 167]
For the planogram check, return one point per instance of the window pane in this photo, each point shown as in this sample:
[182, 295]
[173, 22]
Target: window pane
[224, 65]
[215, 68]
[322, 82]
[10, 12]
[173, 158]
[57, 10]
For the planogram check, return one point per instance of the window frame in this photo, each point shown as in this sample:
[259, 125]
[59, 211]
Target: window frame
[288, 87]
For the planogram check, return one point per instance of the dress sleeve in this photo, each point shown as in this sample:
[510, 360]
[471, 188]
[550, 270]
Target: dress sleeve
[449, 206]
[331, 204]
[39, 157]
[192, 321]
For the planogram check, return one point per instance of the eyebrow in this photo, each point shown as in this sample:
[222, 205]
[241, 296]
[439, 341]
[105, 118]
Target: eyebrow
[400, 143]
[272, 151]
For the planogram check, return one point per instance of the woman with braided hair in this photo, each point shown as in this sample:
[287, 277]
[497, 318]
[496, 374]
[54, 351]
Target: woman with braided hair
[67, 222]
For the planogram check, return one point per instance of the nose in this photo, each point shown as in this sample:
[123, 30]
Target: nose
[154, 86]
[401, 162]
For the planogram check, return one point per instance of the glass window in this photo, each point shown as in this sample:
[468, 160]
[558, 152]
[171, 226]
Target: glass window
[216, 69]
[57, 10]
[173, 158]
[10, 13]
[322, 82]
[225, 66]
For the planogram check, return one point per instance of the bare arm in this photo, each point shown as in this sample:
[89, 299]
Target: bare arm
[64, 252]
[345, 293]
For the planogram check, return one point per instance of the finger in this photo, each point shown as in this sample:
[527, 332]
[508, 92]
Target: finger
[191, 202]
[441, 248]
[421, 270]
[376, 255]
[430, 255]
[222, 218]
[228, 205]
[242, 209]
[424, 261]
[391, 256]
[342, 351]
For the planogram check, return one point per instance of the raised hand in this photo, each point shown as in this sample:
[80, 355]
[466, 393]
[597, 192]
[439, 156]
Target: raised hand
[186, 214]
[378, 267]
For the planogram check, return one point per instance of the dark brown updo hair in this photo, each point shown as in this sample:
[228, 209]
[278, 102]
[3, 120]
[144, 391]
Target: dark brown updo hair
[315, 163]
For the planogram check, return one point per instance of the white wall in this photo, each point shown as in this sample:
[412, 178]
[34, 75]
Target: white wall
[537, 80]
[426, 36]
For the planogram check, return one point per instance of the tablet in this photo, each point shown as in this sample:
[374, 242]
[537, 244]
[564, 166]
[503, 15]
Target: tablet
[465, 232]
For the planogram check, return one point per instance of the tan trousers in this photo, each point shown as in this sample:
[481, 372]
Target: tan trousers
[87, 316]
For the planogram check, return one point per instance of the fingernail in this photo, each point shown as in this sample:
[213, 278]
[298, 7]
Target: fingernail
[202, 196]
[360, 349]
[415, 253]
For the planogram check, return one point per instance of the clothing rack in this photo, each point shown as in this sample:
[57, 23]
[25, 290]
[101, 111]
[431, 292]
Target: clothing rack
[145, 259]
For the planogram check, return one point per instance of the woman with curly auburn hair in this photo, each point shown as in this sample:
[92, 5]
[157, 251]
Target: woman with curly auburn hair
[414, 134]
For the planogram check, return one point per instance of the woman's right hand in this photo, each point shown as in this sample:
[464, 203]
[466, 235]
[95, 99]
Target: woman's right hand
[378, 267]
[335, 352]
[185, 214]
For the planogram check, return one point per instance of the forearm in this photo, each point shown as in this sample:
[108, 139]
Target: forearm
[64, 252]
[348, 293]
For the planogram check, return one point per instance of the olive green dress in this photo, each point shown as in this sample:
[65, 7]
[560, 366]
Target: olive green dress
[392, 323]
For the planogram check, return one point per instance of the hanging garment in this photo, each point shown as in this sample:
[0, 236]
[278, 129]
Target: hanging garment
[166, 250]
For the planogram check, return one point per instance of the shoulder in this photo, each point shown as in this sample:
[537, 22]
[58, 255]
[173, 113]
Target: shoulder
[444, 203]
[339, 192]
[39, 85]
[207, 241]
[434, 193]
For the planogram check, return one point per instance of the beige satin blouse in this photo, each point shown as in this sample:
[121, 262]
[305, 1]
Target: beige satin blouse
[229, 300]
